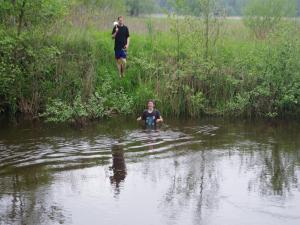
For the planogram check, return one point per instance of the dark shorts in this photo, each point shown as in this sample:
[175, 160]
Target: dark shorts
[120, 54]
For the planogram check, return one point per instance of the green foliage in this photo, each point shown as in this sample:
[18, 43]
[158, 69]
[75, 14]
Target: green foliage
[102, 103]
[232, 7]
[20, 14]
[9, 71]
[26, 65]
[262, 16]
[66, 72]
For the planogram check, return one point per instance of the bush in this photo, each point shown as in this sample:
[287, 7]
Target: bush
[263, 16]
[101, 104]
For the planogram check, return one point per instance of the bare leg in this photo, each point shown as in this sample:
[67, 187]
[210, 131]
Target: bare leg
[119, 65]
[123, 65]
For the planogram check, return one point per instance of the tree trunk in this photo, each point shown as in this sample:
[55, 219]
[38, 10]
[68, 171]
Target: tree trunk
[21, 17]
[206, 36]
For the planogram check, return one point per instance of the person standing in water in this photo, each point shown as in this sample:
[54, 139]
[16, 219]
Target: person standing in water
[151, 116]
[121, 35]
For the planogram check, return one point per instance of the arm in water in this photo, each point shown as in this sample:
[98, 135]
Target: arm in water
[160, 120]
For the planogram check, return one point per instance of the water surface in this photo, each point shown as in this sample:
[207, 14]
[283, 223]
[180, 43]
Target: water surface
[208, 172]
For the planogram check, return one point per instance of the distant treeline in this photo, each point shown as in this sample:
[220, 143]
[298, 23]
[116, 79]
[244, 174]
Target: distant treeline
[142, 7]
[232, 7]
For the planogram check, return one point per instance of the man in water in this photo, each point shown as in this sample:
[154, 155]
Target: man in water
[151, 116]
[121, 35]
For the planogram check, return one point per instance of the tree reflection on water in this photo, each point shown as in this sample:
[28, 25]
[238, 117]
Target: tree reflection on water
[184, 166]
[194, 183]
[25, 199]
[276, 170]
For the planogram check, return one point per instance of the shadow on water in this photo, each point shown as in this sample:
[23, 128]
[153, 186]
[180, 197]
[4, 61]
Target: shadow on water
[197, 170]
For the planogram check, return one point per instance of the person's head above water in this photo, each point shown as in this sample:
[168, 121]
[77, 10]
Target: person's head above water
[150, 104]
[151, 116]
[121, 20]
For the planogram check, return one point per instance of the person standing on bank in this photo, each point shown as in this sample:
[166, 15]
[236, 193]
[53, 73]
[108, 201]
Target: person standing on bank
[151, 116]
[121, 35]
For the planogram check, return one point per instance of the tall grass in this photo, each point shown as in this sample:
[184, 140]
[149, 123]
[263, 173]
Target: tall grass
[244, 76]
[241, 76]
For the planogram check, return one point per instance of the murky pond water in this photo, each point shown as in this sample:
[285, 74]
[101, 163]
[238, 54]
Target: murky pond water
[208, 172]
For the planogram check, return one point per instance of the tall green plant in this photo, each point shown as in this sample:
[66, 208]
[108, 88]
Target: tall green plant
[26, 14]
[262, 16]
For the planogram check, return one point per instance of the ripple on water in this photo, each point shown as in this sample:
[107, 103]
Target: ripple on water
[60, 152]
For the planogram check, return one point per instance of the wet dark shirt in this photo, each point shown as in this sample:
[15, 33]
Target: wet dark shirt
[150, 118]
[121, 37]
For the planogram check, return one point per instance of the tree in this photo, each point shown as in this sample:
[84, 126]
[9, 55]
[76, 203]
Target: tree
[211, 14]
[22, 14]
[262, 16]
[25, 53]
[137, 7]
[209, 11]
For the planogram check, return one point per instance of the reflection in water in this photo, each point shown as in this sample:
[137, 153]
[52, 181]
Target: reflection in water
[206, 173]
[276, 173]
[24, 200]
[194, 184]
[280, 171]
[151, 133]
[118, 167]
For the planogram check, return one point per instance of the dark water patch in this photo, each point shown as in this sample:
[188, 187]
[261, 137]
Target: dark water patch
[186, 172]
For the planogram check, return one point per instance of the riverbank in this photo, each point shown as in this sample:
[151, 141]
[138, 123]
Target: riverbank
[68, 73]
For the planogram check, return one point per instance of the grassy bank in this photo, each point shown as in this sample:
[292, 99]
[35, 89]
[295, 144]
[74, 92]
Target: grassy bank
[242, 76]
[68, 73]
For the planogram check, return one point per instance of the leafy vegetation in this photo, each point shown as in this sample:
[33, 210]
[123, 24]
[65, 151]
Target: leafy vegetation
[262, 16]
[60, 66]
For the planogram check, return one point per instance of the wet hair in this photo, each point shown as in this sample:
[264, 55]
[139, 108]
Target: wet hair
[151, 100]
[120, 17]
